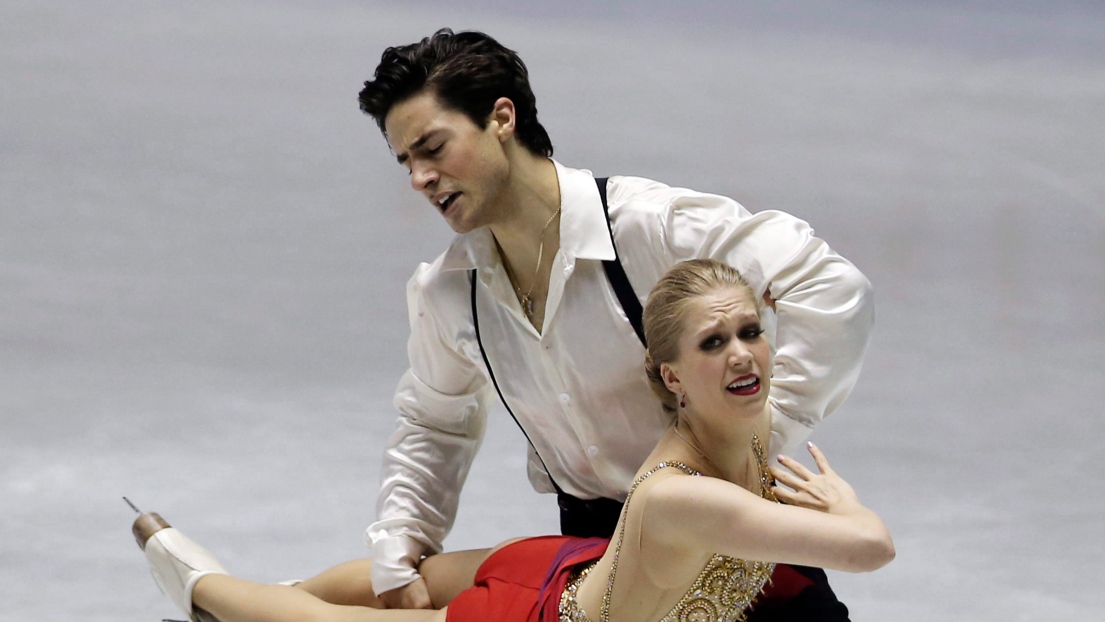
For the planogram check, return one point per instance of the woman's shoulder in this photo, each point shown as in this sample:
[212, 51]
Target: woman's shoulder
[659, 486]
[665, 557]
[680, 512]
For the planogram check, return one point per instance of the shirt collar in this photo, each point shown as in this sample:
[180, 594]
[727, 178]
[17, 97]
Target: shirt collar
[584, 233]
[583, 227]
[470, 250]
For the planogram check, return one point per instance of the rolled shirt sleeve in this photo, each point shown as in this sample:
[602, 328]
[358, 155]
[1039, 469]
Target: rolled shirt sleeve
[823, 303]
[442, 401]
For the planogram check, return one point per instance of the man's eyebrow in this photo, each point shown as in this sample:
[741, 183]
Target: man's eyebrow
[417, 144]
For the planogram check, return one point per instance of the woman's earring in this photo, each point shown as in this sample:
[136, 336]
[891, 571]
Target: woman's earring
[682, 400]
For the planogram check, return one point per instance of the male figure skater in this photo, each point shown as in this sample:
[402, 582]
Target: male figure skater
[527, 302]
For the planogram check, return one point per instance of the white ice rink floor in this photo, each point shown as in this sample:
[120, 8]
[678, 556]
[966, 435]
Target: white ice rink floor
[204, 245]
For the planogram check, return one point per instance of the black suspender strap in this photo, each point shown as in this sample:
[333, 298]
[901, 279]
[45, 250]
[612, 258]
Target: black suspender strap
[622, 288]
[473, 275]
[616, 275]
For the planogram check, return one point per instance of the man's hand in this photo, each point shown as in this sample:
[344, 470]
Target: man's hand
[768, 300]
[413, 595]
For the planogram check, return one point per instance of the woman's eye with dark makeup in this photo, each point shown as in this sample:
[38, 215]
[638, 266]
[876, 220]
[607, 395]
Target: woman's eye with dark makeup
[750, 333]
[710, 342]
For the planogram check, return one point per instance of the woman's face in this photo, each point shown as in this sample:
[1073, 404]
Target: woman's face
[724, 362]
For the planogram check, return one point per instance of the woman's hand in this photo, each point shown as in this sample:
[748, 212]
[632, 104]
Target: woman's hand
[826, 491]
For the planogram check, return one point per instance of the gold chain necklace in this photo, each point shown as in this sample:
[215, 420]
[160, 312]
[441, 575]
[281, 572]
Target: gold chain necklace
[524, 299]
[766, 479]
[698, 451]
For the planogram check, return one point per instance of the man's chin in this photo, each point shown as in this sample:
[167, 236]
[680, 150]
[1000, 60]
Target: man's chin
[459, 224]
[461, 227]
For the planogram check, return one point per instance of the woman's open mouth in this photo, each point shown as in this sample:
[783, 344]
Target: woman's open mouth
[745, 385]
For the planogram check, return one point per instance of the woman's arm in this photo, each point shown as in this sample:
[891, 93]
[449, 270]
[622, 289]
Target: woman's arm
[714, 515]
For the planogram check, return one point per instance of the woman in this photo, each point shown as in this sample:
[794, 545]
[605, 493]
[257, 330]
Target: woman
[684, 543]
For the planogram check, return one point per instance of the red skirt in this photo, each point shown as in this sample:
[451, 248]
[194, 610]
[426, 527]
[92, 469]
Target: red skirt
[522, 582]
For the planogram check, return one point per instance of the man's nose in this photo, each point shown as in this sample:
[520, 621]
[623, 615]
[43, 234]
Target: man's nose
[423, 177]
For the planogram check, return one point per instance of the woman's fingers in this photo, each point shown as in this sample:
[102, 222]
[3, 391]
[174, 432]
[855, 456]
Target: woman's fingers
[819, 458]
[786, 478]
[798, 468]
[785, 495]
[800, 497]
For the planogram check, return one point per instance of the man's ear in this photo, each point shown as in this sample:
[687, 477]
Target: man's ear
[670, 377]
[503, 116]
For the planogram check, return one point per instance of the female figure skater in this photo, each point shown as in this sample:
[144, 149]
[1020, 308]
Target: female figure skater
[702, 529]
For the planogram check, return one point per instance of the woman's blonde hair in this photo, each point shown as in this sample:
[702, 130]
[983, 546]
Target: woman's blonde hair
[666, 310]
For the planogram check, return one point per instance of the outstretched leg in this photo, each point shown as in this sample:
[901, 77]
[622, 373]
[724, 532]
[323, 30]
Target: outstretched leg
[196, 581]
[349, 583]
[231, 599]
[339, 594]
[446, 575]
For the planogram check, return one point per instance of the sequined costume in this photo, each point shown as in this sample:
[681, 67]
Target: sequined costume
[722, 592]
[535, 580]
[523, 582]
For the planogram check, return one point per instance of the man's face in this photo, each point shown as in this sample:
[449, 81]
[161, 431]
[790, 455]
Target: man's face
[459, 167]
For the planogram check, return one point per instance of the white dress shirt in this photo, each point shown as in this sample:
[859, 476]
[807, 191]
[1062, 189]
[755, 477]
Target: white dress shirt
[578, 388]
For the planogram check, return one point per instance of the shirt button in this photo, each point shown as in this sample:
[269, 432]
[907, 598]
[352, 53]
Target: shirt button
[592, 451]
[565, 398]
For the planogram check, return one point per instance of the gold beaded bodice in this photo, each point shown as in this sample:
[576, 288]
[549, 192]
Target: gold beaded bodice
[720, 593]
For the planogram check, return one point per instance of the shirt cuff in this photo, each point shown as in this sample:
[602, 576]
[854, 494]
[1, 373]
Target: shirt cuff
[394, 562]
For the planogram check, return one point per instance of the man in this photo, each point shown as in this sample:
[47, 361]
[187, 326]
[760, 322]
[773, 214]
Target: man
[522, 303]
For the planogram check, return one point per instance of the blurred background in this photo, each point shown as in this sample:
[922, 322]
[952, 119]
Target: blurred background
[204, 246]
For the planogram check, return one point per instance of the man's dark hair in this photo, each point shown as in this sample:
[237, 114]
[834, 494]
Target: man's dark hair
[467, 71]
